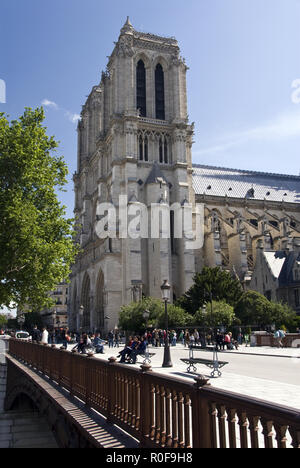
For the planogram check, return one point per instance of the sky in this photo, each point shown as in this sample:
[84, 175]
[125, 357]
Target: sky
[243, 79]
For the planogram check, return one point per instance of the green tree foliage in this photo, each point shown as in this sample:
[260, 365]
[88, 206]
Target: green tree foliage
[220, 314]
[255, 309]
[177, 317]
[3, 320]
[36, 245]
[211, 283]
[132, 319]
[284, 317]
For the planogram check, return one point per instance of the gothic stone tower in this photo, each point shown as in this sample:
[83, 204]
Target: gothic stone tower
[134, 139]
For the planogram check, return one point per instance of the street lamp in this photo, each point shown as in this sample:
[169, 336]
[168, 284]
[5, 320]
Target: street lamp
[146, 315]
[81, 309]
[216, 364]
[166, 294]
[21, 320]
[106, 318]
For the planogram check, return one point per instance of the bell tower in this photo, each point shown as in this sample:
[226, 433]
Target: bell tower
[134, 140]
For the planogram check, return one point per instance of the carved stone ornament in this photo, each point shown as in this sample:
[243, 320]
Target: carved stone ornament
[124, 47]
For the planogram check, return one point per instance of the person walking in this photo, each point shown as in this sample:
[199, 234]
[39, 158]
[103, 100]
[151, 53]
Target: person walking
[36, 335]
[279, 335]
[187, 339]
[110, 339]
[45, 336]
[227, 340]
[116, 339]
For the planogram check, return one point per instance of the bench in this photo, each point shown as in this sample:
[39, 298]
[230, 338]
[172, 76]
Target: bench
[214, 363]
[146, 358]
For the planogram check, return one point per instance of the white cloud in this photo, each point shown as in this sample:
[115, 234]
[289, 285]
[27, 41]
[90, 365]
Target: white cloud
[48, 103]
[283, 126]
[72, 117]
[69, 115]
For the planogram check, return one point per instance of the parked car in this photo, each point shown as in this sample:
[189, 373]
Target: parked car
[22, 335]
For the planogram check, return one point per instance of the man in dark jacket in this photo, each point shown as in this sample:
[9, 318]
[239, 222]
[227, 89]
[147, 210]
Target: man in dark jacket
[36, 335]
[139, 349]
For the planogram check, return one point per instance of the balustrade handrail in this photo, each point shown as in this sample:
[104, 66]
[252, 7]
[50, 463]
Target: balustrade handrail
[160, 410]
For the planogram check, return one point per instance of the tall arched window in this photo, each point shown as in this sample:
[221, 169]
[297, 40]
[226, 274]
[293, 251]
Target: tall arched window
[143, 147]
[141, 88]
[159, 93]
[85, 301]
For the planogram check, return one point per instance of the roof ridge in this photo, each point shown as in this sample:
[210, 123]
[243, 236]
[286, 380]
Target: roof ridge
[245, 171]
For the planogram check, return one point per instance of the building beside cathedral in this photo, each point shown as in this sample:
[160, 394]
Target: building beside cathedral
[135, 140]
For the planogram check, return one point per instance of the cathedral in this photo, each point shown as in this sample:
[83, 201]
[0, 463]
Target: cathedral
[135, 140]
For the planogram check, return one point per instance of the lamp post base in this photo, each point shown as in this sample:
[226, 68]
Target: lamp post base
[167, 358]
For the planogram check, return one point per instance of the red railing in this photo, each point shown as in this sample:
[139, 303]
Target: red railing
[162, 411]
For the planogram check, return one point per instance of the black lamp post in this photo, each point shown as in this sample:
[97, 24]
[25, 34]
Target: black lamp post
[81, 310]
[165, 291]
[21, 320]
[216, 365]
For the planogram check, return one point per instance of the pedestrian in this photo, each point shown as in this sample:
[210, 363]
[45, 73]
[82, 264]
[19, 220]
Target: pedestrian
[174, 338]
[63, 338]
[45, 336]
[227, 340]
[219, 340]
[246, 338]
[110, 339]
[181, 337]
[192, 340]
[126, 352]
[279, 335]
[116, 339]
[98, 344]
[187, 339]
[36, 335]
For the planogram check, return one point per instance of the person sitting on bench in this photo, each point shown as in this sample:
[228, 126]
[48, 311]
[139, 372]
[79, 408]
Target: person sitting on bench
[139, 349]
[98, 344]
[126, 352]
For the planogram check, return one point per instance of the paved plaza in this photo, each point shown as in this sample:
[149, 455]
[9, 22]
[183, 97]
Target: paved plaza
[269, 374]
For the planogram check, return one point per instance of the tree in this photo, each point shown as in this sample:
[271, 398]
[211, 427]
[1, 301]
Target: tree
[132, 315]
[177, 317]
[254, 309]
[211, 284]
[36, 244]
[283, 316]
[3, 320]
[221, 314]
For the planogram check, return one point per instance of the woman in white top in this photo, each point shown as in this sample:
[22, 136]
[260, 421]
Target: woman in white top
[45, 336]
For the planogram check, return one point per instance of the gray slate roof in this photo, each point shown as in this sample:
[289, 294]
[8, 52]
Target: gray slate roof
[155, 176]
[234, 183]
[281, 264]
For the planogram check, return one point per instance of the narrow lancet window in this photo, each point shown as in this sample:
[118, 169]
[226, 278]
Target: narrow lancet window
[141, 88]
[159, 92]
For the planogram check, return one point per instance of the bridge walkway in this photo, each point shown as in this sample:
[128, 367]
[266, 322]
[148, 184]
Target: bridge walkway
[96, 430]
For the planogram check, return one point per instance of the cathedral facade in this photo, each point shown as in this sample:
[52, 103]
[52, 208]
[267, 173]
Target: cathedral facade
[135, 142]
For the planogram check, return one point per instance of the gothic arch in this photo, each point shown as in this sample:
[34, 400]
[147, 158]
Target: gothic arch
[100, 302]
[160, 99]
[159, 59]
[86, 301]
[74, 310]
[141, 88]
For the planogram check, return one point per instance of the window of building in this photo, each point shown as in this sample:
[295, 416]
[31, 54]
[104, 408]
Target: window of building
[164, 150]
[143, 148]
[159, 93]
[141, 88]
[297, 297]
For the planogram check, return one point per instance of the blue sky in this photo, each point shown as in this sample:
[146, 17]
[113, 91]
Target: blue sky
[243, 57]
